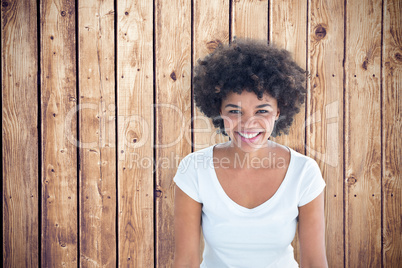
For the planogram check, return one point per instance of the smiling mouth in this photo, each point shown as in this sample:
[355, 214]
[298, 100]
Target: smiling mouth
[249, 135]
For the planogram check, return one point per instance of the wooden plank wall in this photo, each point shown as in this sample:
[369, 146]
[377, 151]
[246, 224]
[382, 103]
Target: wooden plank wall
[59, 158]
[97, 112]
[96, 94]
[362, 101]
[172, 113]
[324, 121]
[20, 135]
[135, 219]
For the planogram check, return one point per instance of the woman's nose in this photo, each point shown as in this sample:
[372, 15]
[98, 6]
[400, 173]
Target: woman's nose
[247, 120]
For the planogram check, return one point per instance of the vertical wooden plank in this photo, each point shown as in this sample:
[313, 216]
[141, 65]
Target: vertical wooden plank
[173, 112]
[250, 19]
[135, 133]
[211, 28]
[392, 129]
[287, 29]
[19, 65]
[97, 134]
[324, 123]
[363, 134]
[59, 134]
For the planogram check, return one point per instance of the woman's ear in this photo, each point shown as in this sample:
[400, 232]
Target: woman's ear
[277, 114]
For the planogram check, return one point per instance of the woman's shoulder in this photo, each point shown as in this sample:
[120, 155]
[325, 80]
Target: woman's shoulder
[295, 157]
[197, 158]
[204, 152]
[303, 164]
[303, 159]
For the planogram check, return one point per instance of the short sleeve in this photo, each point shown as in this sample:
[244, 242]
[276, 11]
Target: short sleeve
[186, 178]
[312, 184]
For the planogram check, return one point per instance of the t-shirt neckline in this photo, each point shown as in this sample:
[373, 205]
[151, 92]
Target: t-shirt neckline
[230, 201]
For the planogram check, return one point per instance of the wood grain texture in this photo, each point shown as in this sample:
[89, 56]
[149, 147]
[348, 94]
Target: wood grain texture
[97, 134]
[172, 112]
[19, 89]
[135, 133]
[211, 28]
[363, 134]
[324, 123]
[392, 129]
[250, 19]
[59, 134]
[82, 231]
[287, 29]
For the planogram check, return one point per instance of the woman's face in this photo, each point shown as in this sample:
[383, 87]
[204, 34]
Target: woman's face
[249, 121]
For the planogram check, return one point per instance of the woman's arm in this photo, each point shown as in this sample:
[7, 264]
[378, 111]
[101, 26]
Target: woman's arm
[187, 227]
[312, 234]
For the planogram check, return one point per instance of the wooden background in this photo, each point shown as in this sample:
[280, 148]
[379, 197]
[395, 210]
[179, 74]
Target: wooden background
[97, 111]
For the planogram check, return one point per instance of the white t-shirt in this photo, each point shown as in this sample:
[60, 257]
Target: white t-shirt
[239, 237]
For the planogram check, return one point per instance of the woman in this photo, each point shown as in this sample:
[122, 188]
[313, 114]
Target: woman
[248, 194]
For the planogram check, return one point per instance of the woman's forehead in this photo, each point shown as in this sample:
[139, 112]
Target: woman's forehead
[247, 97]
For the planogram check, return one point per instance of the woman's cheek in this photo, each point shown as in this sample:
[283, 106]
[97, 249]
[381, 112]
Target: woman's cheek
[229, 122]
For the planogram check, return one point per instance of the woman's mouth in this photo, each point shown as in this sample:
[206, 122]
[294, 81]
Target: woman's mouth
[249, 136]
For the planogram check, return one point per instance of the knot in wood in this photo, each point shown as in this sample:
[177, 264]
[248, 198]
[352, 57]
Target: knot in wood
[352, 180]
[173, 76]
[158, 193]
[63, 13]
[212, 45]
[320, 32]
[365, 63]
[4, 4]
[133, 136]
[398, 56]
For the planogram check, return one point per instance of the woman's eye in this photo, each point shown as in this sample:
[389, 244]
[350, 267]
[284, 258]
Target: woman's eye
[262, 112]
[234, 112]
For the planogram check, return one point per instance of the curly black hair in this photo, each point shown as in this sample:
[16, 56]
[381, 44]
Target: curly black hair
[256, 67]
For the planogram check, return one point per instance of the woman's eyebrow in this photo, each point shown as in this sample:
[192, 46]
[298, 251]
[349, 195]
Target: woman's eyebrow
[259, 106]
[232, 105]
[263, 105]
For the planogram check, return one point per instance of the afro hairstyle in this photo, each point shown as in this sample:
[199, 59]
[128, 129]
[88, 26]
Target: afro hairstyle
[251, 65]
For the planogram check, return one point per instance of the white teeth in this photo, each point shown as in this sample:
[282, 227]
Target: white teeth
[248, 136]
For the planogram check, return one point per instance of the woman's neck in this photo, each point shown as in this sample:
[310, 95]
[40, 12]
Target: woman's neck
[265, 156]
